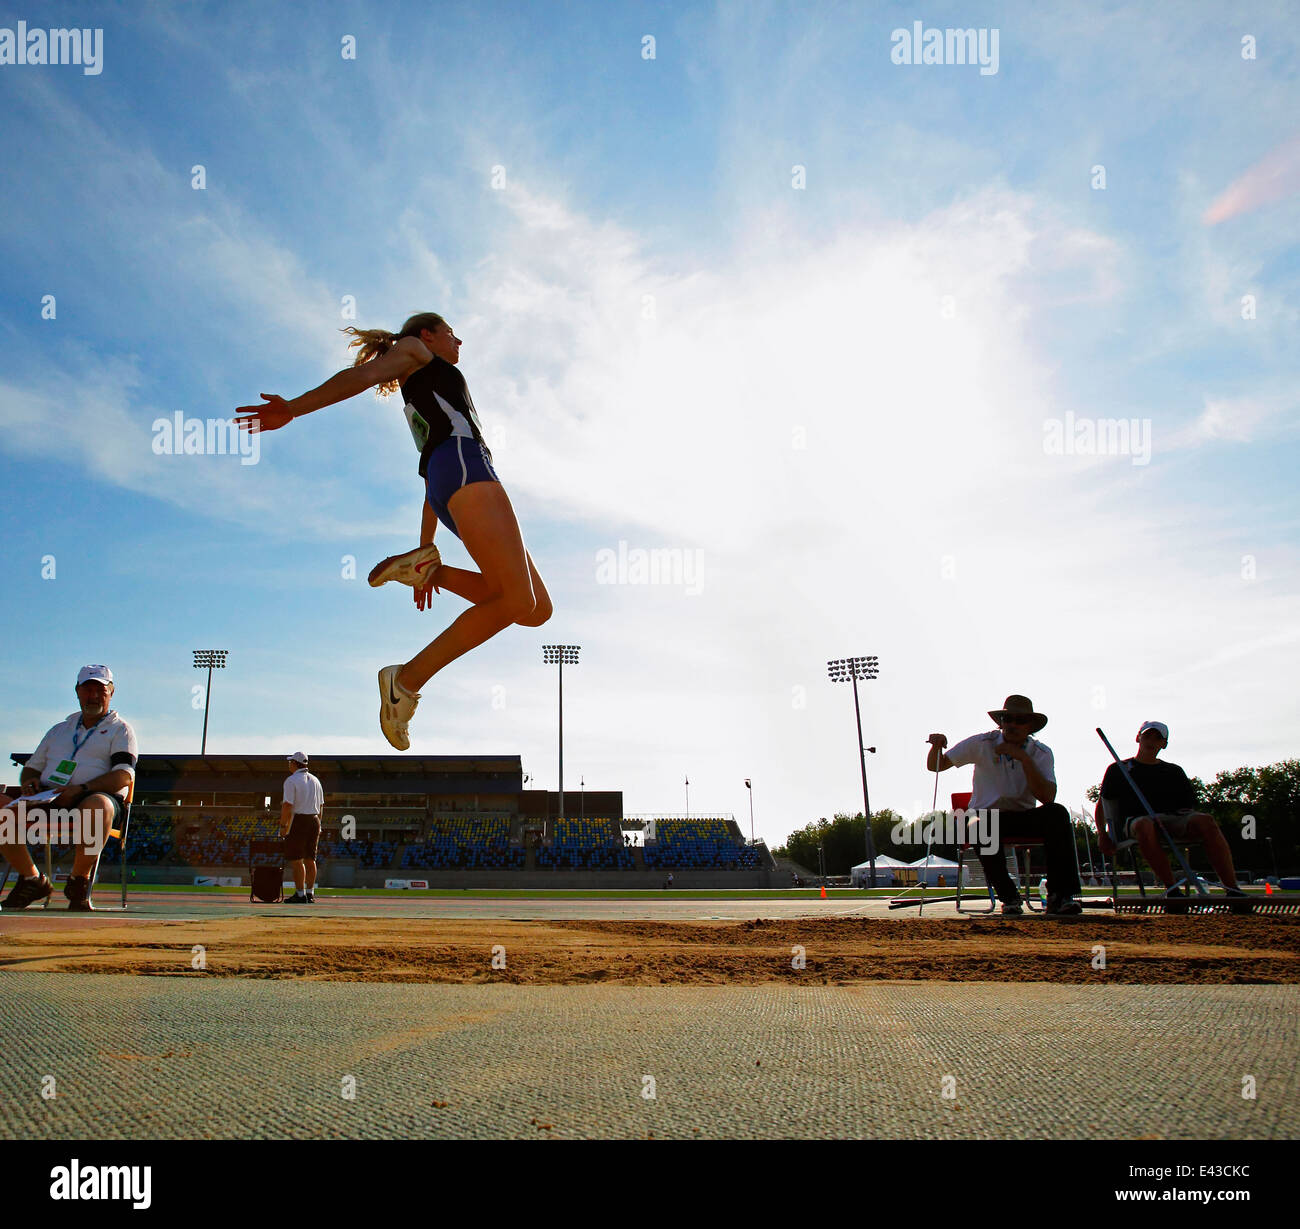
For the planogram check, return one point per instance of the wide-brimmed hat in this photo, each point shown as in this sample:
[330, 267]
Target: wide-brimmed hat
[1020, 706]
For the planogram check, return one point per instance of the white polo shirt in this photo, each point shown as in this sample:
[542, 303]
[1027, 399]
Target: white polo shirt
[108, 744]
[303, 792]
[1000, 780]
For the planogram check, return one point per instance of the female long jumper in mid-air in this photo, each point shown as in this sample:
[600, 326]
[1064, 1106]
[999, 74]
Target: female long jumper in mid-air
[461, 489]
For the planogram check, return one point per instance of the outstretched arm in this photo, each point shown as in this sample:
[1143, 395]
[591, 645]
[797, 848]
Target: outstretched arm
[407, 355]
[347, 383]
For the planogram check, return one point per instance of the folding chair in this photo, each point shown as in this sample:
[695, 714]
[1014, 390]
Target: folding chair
[1129, 845]
[1113, 821]
[113, 833]
[959, 803]
[118, 834]
[1028, 843]
[266, 881]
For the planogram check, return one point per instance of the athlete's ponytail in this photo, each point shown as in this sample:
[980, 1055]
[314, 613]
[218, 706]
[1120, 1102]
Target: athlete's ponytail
[372, 343]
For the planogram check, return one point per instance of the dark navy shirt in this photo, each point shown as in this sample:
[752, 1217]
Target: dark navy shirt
[438, 407]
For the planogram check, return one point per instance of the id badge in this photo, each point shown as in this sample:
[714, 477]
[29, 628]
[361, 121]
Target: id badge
[62, 774]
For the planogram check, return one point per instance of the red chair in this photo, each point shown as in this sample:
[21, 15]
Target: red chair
[959, 803]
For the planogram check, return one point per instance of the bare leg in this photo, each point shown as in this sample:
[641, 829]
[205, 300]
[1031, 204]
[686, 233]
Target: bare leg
[469, 585]
[491, 535]
[299, 874]
[20, 859]
[309, 866]
[96, 812]
[473, 588]
[1216, 848]
[1148, 840]
[17, 855]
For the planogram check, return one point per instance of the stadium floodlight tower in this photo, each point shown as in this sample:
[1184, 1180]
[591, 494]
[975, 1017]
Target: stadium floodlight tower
[210, 660]
[851, 669]
[561, 655]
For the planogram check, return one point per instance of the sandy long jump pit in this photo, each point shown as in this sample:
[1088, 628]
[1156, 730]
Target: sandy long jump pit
[837, 951]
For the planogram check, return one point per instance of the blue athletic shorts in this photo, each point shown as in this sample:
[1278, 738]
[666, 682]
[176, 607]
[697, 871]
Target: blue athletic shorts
[455, 463]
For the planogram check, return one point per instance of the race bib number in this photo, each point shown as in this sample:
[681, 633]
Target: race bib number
[419, 428]
[62, 773]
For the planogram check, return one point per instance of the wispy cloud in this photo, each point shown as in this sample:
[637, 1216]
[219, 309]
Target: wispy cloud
[1273, 178]
[1240, 419]
[107, 430]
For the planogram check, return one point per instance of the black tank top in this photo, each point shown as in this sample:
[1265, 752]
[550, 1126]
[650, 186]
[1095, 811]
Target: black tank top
[438, 407]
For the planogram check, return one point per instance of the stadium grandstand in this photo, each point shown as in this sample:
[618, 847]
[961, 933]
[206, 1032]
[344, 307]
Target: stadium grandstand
[698, 843]
[436, 821]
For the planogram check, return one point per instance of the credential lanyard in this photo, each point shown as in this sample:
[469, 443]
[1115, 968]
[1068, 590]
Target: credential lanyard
[77, 745]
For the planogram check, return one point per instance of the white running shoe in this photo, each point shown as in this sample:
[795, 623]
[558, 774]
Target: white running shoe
[413, 568]
[396, 707]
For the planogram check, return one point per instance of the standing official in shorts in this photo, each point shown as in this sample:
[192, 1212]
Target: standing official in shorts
[300, 815]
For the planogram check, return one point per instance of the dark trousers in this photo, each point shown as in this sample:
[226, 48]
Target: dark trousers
[1052, 823]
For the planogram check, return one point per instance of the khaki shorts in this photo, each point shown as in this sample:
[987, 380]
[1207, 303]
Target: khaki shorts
[66, 829]
[1175, 825]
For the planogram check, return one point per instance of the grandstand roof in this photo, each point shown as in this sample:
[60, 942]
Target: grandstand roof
[369, 773]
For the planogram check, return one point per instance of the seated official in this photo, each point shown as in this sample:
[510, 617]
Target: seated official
[1015, 775]
[90, 759]
[1166, 787]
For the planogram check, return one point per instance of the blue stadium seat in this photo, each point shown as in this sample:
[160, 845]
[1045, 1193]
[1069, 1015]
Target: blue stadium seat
[697, 844]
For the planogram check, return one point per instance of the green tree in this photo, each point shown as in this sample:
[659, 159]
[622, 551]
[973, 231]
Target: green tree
[844, 840]
[1271, 795]
[907, 842]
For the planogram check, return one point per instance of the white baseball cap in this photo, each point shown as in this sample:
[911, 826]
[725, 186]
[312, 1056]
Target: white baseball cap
[298, 757]
[1158, 726]
[94, 674]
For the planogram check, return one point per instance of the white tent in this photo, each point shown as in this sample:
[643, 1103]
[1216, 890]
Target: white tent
[938, 866]
[886, 869]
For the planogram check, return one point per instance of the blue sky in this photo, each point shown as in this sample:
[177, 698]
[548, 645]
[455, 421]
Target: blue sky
[833, 399]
